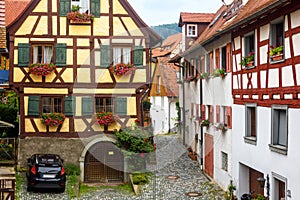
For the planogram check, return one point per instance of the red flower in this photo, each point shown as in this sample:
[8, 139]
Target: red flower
[122, 69]
[105, 118]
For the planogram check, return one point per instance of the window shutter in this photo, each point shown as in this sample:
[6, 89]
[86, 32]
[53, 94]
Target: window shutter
[228, 57]
[105, 59]
[95, 8]
[23, 54]
[34, 105]
[229, 118]
[197, 110]
[87, 106]
[70, 106]
[211, 62]
[211, 114]
[217, 58]
[218, 114]
[61, 54]
[121, 106]
[138, 56]
[65, 7]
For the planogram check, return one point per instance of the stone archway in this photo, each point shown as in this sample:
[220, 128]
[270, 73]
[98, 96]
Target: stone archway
[102, 162]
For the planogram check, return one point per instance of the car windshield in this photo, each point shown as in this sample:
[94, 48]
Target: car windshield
[48, 159]
[49, 169]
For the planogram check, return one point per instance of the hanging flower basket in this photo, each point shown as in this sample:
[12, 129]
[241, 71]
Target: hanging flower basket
[41, 69]
[122, 69]
[52, 119]
[79, 17]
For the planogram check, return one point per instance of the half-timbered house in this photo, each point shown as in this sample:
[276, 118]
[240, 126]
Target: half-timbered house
[265, 88]
[62, 62]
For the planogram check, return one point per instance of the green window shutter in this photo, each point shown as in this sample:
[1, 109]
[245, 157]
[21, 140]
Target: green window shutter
[87, 106]
[65, 7]
[34, 105]
[121, 106]
[105, 56]
[61, 54]
[23, 54]
[70, 106]
[95, 8]
[138, 56]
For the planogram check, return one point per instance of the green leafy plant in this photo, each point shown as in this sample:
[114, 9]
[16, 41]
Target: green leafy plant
[247, 59]
[276, 50]
[75, 8]
[140, 178]
[221, 126]
[72, 169]
[219, 72]
[204, 122]
[204, 75]
[41, 69]
[229, 195]
[52, 119]
[146, 105]
[260, 197]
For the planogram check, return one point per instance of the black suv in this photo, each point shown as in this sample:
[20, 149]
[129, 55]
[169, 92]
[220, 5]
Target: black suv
[46, 171]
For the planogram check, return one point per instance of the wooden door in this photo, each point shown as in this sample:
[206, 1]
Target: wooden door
[209, 155]
[104, 163]
[254, 184]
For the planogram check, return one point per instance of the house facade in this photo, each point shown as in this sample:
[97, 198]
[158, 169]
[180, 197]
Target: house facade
[265, 90]
[64, 64]
[164, 91]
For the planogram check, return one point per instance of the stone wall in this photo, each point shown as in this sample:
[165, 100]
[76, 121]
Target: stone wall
[69, 149]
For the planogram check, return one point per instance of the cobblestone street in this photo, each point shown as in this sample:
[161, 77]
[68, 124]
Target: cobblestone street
[175, 175]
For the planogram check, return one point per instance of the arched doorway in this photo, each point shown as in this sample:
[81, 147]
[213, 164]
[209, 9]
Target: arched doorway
[104, 163]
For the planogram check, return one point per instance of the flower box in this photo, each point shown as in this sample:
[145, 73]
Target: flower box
[105, 118]
[52, 119]
[41, 69]
[122, 69]
[277, 57]
[78, 17]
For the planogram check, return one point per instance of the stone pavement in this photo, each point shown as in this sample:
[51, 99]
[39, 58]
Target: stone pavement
[175, 176]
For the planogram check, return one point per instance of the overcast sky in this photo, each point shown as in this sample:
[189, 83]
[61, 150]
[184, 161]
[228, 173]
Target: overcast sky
[156, 12]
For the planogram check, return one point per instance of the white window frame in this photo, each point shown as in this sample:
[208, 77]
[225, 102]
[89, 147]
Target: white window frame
[248, 121]
[275, 125]
[224, 165]
[83, 4]
[188, 29]
[277, 177]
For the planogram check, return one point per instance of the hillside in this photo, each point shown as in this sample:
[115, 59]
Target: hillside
[165, 30]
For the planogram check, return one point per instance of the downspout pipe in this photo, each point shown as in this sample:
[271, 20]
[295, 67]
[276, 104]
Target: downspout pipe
[201, 129]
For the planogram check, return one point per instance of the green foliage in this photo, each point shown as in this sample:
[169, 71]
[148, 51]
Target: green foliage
[140, 178]
[146, 105]
[12, 100]
[18, 185]
[259, 197]
[247, 59]
[229, 193]
[276, 50]
[6, 152]
[72, 169]
[75, 8]
[219, 72]
[204, 75]
[205, 122]
[72, 183]
[9, 114]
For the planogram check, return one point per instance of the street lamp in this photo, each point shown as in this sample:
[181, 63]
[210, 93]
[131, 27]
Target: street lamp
[262, 181]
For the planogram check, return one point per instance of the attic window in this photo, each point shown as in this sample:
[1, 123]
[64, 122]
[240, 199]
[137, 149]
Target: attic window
[191, 30]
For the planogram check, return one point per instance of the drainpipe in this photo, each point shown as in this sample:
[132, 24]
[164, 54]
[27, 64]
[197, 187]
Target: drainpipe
[201, 129]
[169, 114]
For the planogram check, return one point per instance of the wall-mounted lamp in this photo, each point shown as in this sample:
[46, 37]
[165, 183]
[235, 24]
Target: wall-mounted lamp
[262, 181]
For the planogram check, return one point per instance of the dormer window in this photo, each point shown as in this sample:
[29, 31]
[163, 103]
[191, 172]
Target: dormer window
[191, 30]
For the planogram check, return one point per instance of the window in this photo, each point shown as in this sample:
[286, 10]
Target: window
[280, 192]
[52, 104]
[210, 109]
[277, 33]
[207, 66]
[251, 120]
[279, 129]
[83, 4]
[223, 58]
[42, 54]
[224, 161]
[121, 55]
[104, 104]
[191, 30]
[249, 44]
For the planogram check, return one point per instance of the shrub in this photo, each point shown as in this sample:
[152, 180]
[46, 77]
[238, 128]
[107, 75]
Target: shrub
[140, 179]
[72, 169]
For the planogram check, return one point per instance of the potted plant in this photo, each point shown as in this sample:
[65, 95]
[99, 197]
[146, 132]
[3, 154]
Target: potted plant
[221, 126]
[219, 72]
[276, 53]
[122, 69]
[41, 69]
[52, 119]
[105, 118]
[204, 122]
[248, 61]
[204, 75]
[189, 78]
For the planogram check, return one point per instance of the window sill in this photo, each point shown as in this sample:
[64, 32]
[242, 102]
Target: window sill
[276, 61]
[250, 140]
[249, 67]
[80, 23]
[278, 149]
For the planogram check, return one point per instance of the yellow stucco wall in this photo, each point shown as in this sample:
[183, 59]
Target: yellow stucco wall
[83, 42]
[104, 6]
[118, 8]
[83, 75]
[101, 26]
[79, 30]
[83, 56]
[140, 75]
[20, 40]
[131, 106]
[18, 75]
[68, 41]
[54, 5]
[45, 91]
[67, 75]
[42, 6]
[54, 26]
[102, 76]
[63, 25]
[132, 27]
[69, 56]
[103, 91]
[120, 31]
[78, 108]
[42, 27]
[27, 25]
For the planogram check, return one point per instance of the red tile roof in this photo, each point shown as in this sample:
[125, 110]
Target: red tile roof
[169, 44]
[13, 8]
[169, 79]
[186, 17]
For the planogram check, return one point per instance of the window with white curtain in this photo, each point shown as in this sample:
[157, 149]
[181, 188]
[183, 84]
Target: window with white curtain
[42, 54]
[121, 55]
[83, 4]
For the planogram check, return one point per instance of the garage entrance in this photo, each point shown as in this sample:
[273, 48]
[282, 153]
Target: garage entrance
[104, 163]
